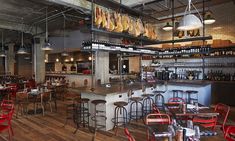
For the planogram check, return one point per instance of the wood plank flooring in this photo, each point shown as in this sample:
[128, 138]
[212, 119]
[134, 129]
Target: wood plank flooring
[51, 128]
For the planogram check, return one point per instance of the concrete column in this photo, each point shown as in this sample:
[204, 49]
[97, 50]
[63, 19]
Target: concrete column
[38, 59]
[10, 59]
[102, 66]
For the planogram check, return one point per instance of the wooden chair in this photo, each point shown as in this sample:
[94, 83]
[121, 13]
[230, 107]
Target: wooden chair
[22, 102]
[43, 99]
[223, 111]
[129, 136]
[152, 119]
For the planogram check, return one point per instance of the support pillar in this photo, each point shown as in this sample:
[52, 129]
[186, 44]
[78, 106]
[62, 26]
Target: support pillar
[39, 57]
[10, 60]
[102, 66]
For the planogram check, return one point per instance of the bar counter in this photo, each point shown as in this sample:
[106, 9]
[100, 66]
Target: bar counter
[118, 92]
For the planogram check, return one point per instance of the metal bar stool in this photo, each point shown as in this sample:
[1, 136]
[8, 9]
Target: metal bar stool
[81, 112]
[120, 115]
[191, 96]
[136, 113]
[147, 103]
[159, 101]
[177, 93]
[99, 118]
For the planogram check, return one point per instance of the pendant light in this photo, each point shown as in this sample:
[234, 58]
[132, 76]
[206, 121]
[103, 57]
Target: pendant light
[167, 27]
[209, 19]
[2, 53]
[47, 45]
[190, 21]
[64, 53]
[22, 49]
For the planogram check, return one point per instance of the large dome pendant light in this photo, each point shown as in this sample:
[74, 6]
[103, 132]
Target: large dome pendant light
[190, 21]
[64, 53]
[2, 53]
[47, 45]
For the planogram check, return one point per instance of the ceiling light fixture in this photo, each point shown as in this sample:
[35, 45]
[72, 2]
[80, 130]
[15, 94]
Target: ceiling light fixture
[209, 19]
[167, 27]
[47, 45]
[190, 21]
[22, 49]
[64, 53]
[2, 53]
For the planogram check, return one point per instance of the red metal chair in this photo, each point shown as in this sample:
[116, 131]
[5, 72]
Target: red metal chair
[12, 90]
[229, 133]
[6, 117]
[206, 122]
[155, 109]
[223, 111]
[129, 136]
[176, 100]
[155, 118]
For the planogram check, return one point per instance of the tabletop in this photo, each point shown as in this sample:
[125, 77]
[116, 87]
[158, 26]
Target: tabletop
[202, 110]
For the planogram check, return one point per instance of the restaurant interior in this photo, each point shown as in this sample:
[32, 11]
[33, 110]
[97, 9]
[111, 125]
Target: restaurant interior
[117, 70]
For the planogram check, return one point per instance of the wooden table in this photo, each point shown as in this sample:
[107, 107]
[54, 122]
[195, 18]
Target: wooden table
[179, 115]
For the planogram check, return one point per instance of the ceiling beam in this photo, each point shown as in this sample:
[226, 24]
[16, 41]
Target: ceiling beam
[82, 5]
[19, 27]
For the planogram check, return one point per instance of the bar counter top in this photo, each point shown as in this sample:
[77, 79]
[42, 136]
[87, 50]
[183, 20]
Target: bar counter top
[117, 88]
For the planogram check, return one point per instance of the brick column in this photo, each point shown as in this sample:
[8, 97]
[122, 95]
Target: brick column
[10, 59]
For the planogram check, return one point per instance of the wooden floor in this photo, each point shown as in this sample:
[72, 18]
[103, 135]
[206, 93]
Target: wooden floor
[50, 128]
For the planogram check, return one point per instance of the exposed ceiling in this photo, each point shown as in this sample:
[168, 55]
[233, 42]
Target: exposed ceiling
[32, 12]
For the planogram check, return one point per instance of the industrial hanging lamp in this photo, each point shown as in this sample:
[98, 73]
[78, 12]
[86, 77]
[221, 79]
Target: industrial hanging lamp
[209, 19]
[190, 21]
[64, 53]
[22, 49]
[167, 27]
[47, 45]
[2, 52]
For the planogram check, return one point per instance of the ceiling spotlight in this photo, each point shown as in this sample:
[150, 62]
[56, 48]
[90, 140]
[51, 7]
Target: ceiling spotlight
[209, 19]
[167, 27]
[57, 60]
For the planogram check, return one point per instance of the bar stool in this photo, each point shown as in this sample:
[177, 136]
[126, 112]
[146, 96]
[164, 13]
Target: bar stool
[147, 103]
[177, 93]
[135, 113]
[81, 112]
[99, 116]
[191, 96]
[159, 101]
[120, 115]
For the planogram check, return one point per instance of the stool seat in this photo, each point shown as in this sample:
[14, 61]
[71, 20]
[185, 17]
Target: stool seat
[191, 91]
[85, 100]
[96, 102]
[120, 103]
[147, 95]
[158, 91]
[136, 99]
[178, 91]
